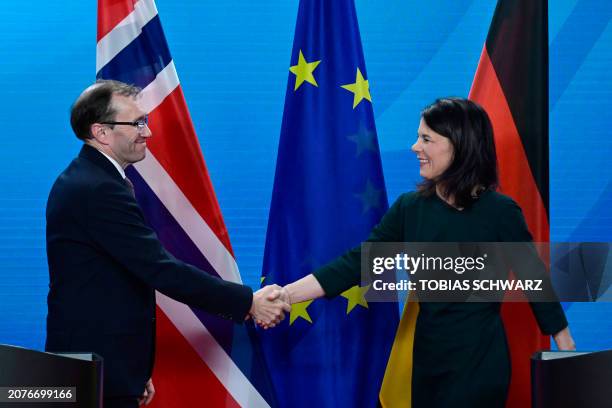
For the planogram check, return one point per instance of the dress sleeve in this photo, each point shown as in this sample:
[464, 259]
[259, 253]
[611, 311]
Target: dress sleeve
[344, 272]
[549, 315]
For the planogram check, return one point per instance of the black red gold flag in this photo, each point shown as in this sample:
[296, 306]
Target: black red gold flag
[511, 83]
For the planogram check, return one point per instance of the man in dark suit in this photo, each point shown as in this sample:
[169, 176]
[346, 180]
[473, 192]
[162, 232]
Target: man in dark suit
[105, 263]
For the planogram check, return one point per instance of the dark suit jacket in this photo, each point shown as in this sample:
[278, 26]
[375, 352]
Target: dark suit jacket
[104, 266]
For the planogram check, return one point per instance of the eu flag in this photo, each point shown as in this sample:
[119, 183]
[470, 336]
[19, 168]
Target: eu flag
[328, 193]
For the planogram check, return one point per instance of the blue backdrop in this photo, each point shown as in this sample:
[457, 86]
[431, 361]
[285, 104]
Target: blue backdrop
[232, 59]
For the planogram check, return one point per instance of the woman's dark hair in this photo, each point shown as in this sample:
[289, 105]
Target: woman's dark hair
[474, 165]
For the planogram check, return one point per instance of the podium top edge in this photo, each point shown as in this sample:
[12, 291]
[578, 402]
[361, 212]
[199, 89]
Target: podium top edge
[556, 355]
[82, 356]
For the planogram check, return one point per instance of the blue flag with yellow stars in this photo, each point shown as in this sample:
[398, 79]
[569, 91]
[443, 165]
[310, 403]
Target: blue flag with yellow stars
[328, 193]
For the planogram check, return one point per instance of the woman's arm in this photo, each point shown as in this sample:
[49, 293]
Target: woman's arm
[301, 290]
[344, 271]
[564, 340]
[527, 263]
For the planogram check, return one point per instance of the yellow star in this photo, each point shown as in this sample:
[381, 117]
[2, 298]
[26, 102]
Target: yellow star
[263, 278]
[360, 88]
[299, 310]
[355, 296]
[303, 71]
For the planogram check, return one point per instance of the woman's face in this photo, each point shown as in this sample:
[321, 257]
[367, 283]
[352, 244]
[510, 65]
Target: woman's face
[434, 151]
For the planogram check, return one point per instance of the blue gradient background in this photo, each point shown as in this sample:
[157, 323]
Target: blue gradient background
[232, 59]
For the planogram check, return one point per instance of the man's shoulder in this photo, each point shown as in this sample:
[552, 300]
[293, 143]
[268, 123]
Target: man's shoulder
[79, 182]
[80, 174]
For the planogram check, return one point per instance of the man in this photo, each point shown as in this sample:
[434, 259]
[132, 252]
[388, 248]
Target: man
[105, 263]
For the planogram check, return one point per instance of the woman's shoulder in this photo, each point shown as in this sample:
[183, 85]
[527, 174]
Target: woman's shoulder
[409, 196]
[508, 216]
[498, 203]
[409, 199]
[489, 201]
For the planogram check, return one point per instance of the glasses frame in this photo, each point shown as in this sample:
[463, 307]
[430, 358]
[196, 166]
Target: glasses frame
[138, 124]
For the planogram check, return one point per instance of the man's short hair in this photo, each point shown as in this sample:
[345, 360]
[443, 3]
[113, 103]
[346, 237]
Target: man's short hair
[94, 105]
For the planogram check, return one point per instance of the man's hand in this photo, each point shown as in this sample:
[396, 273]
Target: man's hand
[269, 307]
[147, 394]
[284, 295]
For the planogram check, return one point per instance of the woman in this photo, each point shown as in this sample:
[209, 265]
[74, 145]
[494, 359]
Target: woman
[461, 356]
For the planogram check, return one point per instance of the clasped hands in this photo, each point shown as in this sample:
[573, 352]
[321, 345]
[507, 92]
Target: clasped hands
[270, 304]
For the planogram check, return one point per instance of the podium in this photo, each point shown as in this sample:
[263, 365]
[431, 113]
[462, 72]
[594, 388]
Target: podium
[571, 379]
[34, 378]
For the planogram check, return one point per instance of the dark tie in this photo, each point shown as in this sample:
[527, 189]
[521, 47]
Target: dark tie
[128, 183]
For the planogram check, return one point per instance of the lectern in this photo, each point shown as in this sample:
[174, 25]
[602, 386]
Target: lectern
[34, 378]
[571, 379]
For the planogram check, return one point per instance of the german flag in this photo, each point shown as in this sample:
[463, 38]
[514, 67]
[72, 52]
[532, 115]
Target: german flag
[511, 83]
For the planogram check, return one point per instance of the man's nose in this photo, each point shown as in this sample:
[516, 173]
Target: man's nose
[146, 131]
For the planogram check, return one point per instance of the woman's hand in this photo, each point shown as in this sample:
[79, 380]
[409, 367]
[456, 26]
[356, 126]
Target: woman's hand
[147, 394]
[564, 340]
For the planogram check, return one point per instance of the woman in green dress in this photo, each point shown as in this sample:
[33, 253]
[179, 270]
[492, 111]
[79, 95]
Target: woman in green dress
[460, 356]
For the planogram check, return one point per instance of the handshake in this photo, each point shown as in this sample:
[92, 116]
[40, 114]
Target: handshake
[270, 304]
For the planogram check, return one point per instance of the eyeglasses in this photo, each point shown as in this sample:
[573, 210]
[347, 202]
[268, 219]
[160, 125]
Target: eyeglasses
[138, 124]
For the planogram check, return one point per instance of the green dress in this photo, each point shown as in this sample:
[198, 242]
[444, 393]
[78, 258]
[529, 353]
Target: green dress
[460, 356]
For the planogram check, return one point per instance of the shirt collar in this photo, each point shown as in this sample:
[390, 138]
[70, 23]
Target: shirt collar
[117, 166]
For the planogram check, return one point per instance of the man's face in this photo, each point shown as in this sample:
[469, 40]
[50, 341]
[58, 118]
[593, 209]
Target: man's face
[126, 142]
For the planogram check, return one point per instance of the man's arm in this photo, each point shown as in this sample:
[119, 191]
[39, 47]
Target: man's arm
[117, 226]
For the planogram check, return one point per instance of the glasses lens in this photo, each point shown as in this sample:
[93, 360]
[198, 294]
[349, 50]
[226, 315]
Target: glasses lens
[140, 124]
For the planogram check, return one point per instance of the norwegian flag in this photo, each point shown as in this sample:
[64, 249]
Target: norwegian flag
[194, 364]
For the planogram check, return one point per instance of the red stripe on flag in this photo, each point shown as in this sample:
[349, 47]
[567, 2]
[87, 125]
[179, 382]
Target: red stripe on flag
[110, 13]
[176, 147]
[180, 377]
[515, 175]
[516, 181]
